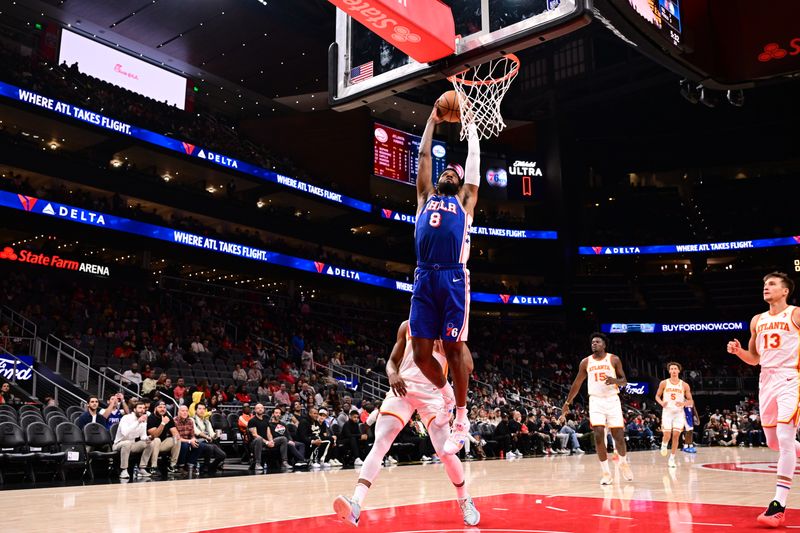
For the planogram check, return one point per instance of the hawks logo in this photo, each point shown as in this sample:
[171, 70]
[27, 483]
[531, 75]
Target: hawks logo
[319, 266]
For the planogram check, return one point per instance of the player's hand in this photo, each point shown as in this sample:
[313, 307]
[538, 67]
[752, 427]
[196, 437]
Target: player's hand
[397, 384]
[734, 347]
[435, 118]
[611, 381]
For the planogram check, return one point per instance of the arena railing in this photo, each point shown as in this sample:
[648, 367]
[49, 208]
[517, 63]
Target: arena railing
[27, 327]
[38, 385]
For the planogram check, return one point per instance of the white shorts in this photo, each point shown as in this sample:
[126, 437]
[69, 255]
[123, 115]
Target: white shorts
[673, 420]
[778, 396]
[426, 399]
[606, 411]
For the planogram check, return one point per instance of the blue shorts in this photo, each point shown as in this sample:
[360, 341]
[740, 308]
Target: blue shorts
[689, 418]
[440, 303]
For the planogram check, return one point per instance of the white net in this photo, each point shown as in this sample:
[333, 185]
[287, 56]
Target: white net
[480, 91]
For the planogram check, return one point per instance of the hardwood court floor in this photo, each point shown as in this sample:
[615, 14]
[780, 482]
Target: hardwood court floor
[717, 489]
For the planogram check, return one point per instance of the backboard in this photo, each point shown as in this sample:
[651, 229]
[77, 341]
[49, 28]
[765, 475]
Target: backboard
[363, 68]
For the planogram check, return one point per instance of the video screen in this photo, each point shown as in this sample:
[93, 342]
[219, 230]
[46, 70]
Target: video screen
[663, 14]
[396, 155]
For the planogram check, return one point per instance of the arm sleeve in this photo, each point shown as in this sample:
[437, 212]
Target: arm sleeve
[472, 169]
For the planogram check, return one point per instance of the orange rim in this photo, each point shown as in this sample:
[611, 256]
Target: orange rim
[457, 77]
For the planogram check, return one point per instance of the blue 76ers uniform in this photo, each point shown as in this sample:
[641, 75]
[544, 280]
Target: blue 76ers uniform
[440, 301]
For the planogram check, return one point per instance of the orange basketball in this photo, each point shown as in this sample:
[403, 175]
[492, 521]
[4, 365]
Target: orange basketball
[447, 107]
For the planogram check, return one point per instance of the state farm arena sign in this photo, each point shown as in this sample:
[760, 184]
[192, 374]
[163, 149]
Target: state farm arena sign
[53, 261]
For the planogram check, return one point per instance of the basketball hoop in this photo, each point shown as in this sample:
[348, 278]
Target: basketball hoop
[480, 91]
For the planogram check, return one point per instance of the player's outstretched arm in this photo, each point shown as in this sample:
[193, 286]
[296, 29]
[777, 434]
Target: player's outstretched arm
[393, 364]
[425, 170]
[749, 356]
[472, 170]
[576, 386]
[660, 393]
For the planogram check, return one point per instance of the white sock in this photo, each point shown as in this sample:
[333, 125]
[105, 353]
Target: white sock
[360, 492]
[447, 391]
[461, 414]
[623, 459]
[604, 466]
[782, 492]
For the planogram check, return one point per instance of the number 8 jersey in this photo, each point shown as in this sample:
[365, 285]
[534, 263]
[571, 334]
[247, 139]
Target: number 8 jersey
[778, 340]
[442, 231]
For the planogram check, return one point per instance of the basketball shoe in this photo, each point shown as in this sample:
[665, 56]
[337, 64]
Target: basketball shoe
[626, 471]
[773, 516]
[664, 449]
[671, 463]
[606, 479]
[470, 513]
[347, 510]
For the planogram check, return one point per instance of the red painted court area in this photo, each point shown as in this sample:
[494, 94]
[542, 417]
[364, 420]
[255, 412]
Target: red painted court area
[522, 513]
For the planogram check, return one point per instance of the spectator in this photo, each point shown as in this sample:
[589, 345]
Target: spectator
[520, 439]
[282, 396]
[242, 396]
[91, 414]
[307, 358]
[314, 434]
[254, 375]
[191, 448]
[205, 433]
[239, 375]
[115, 410]
[179, 390]
[132, 437]
[161, 428]
[261, 436]
[502, 434]
[149, 385]
[539, 431]
[5, 393]
[352, 438]
[281, 429]
[132, 376]
[147, 355]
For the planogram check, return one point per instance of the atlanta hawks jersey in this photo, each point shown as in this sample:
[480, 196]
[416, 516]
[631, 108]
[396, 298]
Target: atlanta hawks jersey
[777, 340]
[598, 371]
[442, 231]
[673, 394]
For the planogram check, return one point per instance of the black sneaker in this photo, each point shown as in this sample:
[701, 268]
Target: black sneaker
[171, 469]
[252, 466]
[774, 516]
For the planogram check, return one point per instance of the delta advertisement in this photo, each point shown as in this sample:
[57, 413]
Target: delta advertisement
[690, 248]
[690, 327]
[192, 150]
[43, 207]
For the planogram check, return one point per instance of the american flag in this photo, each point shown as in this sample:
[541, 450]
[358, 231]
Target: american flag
[361, 73]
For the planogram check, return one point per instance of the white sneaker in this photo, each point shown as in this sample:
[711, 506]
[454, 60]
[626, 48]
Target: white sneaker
[518, 453]
[443, 417]
[143, 472]
[578, 451]
[510, 455]
[425, 459]
[315, 465]
[123, 474]
[458, 434]
[435, 459]
[335, 462]
[606, 479]
[664, 449]
[671, 462]
[325, 465]
[470, 513]
[392, 460]
[358, 462]
[347, 510]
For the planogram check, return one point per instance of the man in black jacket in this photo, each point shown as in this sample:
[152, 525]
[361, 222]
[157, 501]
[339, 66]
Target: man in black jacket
[314, 434]
[502, 434]
[352, 438]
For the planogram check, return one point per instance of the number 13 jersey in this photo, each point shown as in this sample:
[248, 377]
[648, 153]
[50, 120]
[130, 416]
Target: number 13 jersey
[598, 371]
[778, 340]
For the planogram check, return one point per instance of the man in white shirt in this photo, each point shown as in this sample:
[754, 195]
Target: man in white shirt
[132, 438]
[132, 375]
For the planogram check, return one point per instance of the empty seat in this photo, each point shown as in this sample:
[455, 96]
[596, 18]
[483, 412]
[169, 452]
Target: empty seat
[98, 442]
[74, 409]
[29, 409]
[5, 408]
[54, 421]
[71, 442]
[14, 450]
[44, 446]
[52, 409]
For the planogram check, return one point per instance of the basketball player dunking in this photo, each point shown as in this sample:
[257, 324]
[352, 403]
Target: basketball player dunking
[605, 374]
[410, 391]
[673, 396]
[774, 344]
[440, 298]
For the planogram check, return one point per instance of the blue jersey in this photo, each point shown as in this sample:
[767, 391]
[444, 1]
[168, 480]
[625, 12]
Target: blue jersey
[442, 232]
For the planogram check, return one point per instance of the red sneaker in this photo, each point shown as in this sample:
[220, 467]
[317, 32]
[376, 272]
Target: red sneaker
[774, 516]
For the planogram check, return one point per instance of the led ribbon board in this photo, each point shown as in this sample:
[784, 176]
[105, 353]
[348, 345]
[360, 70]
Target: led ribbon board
[690, 248]
[191, 150]
[689, 327]
[43, 207]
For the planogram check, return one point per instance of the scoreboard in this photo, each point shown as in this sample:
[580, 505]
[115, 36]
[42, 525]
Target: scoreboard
[396, 155]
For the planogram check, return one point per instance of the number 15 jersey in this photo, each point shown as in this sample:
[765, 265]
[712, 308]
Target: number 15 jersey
[778, 340]
[598, 370]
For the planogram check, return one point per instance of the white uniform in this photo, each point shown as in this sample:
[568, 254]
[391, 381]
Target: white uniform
[673, 417]
[777, 344]
[605, 409]
[421, 394]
